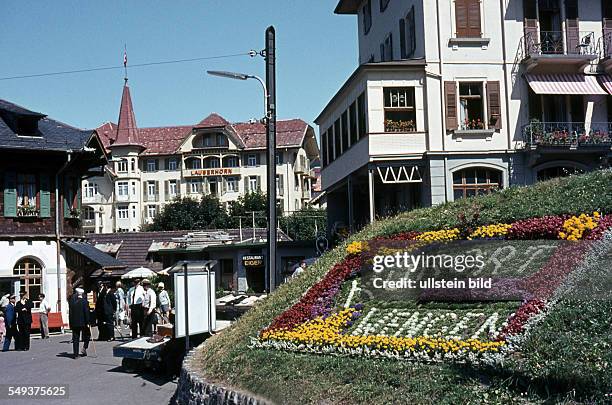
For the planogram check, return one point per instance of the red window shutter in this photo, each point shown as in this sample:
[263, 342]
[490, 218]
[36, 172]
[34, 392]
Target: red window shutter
[494, 105]
[573, 36]
[461, 18]
[450, 98]
[473, 13]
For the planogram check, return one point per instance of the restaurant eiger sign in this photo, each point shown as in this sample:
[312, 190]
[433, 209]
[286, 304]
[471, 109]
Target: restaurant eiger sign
[253, 260]
[211, 172]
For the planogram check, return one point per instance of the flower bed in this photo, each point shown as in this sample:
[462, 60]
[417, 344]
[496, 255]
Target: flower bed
[311, 325]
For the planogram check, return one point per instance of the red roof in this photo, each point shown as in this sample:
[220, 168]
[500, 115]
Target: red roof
[127, 131]
[166, 140]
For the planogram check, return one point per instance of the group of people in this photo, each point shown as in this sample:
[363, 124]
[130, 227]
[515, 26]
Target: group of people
[16, 321]
[139, 307]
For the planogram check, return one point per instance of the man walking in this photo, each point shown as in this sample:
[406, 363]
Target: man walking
[23, 308]
[45, 308]
[164, 302]
[149, 303]
[120, 297]
[100, 303]
[11, 324]
[79, 323]
[110, 307]
[136, 296]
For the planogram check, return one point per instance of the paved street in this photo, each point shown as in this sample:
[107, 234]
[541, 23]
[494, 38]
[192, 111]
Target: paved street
[90, 380]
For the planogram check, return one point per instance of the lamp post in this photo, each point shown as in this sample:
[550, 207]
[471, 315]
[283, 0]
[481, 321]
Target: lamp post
[269, 89]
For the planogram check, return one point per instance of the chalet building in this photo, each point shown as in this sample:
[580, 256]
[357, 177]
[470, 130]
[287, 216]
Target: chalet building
[453, 99]
[151, 166]
[42, 163]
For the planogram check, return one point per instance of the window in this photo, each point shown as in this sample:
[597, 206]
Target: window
[195, 186]
[337, 139]
[253, 183]
[330, 145]
[383, 5]
[402, 32]
[26, 190]
[133, 188]
[279, 158]
[471, 106]
[476, 181]
[89, 214]
[557, 171]
[213, 186]
[366, 12]
[211, 163]
[133, 164]
[252, 160]
[361, 115]
[353, 123]
[400, 111]
[193, 163]
[172, 188]
[123, 188]
[91, 190]
[232, 184]
[151, 190]
[386, 49]
[467, 18]
[172, 164]
[122, 166]
[151, 165]
[222, 140]
[133, 211]
[151, 211]
[231, 161]
[345, 131]
[296, 182]
[280, 187]
[410, 32]
[29, 272]
[324, 161]
[122, 212]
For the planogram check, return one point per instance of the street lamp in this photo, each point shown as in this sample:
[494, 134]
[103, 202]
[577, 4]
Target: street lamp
[243, 76]
[269, 88]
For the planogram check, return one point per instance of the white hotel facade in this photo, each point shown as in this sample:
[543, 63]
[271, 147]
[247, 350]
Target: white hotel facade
[453, 98]
[150, 167]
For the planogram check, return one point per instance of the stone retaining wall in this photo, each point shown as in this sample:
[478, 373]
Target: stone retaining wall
[193, 390]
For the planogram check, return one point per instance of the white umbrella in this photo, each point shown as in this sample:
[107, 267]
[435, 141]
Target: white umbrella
[140, 272]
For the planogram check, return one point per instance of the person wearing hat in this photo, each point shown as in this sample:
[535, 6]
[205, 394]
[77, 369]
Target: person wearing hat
[164, 301]
[10, 321]
[78, 320]
[149, 302]
[23, 308]
[110, 307]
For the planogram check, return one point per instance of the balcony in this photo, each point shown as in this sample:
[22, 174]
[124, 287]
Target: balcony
[306, 194]
[301, 166]
[88, 223]
[151, 197]
[559, 136]
[605, 47]
[551, 51]
[94, 199]
[170, 197]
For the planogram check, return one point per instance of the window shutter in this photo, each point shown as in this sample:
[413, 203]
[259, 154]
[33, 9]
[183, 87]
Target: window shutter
[258, 183]
[246, 184]
[66, 197]
[45, 196]
[450, 96]
[473, 14]
[494, 104]
[10, 194]
[258, 158]
[167, 163]
[223, 185]
[461, 18]
[573, 36]
[78, 194]
[281, 185]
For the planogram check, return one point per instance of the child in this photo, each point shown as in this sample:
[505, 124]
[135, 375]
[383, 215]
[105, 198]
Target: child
[2, 327]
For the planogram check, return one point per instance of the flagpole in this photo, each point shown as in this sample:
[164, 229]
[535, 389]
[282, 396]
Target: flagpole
[125, 62]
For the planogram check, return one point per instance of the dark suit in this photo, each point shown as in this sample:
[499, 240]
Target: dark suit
[110, 307]
[79, 323]
[10, 321]
[24, 323]
[100, 301]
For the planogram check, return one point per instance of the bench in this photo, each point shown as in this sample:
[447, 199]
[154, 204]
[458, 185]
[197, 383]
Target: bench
[55, 321]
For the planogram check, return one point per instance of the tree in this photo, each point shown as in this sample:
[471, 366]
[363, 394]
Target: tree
[304, 224]
[244, 207]
[189, 214]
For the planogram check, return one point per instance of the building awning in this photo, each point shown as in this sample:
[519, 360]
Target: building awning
[564, 83]
[101, 259]
[606, 82]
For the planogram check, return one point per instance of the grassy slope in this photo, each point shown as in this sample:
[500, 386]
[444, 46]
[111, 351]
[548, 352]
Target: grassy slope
[297, 378]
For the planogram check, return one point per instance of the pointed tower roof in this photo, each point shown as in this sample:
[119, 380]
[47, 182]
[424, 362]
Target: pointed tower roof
[127, 131]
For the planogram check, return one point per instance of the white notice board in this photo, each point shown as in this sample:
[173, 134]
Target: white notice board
[200, 299]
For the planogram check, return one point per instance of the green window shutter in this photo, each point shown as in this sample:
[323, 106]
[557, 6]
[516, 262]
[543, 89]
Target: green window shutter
[45, 196]
[66, 194]
[10, 194]
[77, 184]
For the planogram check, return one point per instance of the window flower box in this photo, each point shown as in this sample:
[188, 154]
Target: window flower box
[400, 126]
[27, 211]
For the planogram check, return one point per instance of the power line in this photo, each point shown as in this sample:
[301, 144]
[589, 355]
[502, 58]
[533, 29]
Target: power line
[97, 69]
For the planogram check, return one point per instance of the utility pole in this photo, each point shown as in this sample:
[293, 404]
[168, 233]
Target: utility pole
[270, 57]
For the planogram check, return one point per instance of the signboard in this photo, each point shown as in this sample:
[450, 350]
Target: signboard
[201, 303]
[252, 260]
[213, 172]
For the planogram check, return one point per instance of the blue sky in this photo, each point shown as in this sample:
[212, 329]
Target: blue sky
[316, 54]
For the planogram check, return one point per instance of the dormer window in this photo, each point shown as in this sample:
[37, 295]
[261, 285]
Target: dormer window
[27, 126]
